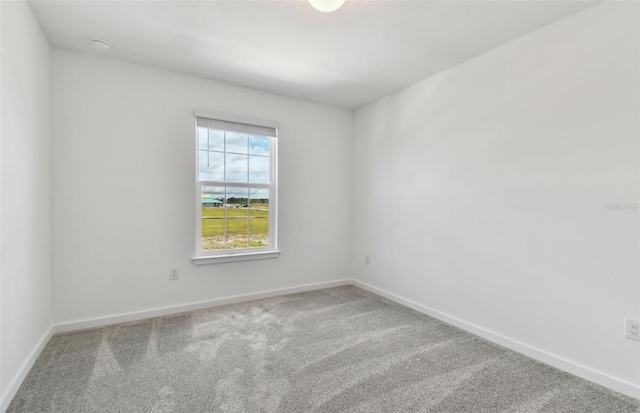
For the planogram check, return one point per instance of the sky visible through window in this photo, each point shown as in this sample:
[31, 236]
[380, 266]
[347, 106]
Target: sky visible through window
[234, 157]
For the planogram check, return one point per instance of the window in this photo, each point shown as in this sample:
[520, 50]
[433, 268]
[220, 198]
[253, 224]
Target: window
[236, 191]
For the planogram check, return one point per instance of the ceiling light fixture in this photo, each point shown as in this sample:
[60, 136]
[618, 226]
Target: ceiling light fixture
[326, 6]
[101, 45]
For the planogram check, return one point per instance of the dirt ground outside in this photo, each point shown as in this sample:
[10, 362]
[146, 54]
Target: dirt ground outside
[216, 242]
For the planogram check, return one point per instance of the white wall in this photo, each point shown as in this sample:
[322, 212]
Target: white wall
[481, 192]
[26, 169]
[124, 191]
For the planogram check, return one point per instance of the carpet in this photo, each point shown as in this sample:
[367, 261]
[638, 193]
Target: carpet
[335, 350]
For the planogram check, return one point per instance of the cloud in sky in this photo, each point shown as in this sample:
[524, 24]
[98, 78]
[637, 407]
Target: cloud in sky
[246, 160]
[232, 142]
[259, 145]
[238, 168]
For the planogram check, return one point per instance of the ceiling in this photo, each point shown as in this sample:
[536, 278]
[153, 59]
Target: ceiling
[364, 51]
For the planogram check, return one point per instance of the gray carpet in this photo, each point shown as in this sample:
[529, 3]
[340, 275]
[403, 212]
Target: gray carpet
[334, 350]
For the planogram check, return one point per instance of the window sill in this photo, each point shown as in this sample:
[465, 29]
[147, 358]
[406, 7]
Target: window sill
[219, 259]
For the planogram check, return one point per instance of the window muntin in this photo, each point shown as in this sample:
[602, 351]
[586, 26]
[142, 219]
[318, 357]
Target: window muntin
[236, 194]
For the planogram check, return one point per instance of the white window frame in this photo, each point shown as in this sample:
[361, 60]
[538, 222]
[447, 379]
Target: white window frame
[238, 254]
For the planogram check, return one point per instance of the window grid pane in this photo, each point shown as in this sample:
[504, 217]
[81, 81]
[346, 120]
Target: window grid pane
[236, 167]
[213, 218]
[258, 218]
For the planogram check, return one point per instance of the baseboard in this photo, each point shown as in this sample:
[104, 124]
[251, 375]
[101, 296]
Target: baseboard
[17, 380]
[157, 312]
[587, 373]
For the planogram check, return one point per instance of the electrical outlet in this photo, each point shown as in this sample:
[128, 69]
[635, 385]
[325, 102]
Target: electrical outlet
[632, 329]
[174, 273]
[367, 259]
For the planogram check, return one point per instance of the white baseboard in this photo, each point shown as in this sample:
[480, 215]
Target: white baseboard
[587, 373]
[17, 380]
[157, 312]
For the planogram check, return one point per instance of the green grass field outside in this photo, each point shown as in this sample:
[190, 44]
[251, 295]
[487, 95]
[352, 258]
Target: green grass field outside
[244, 227]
